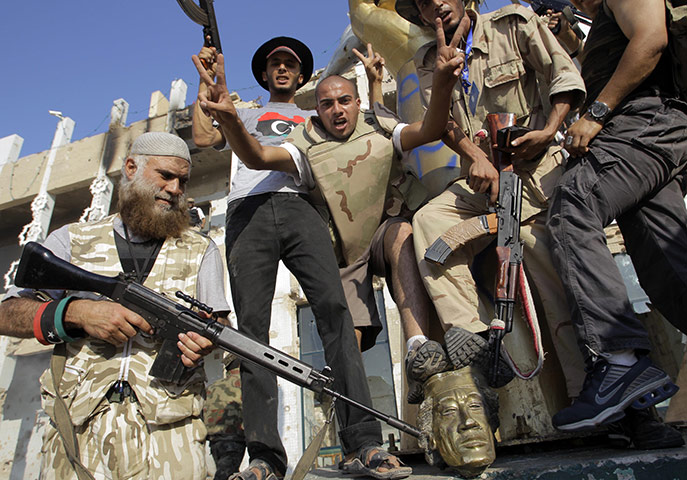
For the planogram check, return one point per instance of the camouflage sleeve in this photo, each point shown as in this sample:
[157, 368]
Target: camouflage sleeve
[541, 51]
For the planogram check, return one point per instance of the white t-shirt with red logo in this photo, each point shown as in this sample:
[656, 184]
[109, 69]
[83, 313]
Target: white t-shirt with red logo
[270, 125]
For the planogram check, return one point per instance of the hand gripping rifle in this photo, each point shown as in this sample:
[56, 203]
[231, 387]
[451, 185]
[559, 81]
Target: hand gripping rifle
[571, 14]
[502, 130]
[204, 15]
[39, 268]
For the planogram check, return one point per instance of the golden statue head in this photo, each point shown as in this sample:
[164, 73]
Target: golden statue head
[457, 420]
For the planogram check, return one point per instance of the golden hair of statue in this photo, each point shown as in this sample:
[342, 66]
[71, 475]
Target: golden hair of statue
[457, 421]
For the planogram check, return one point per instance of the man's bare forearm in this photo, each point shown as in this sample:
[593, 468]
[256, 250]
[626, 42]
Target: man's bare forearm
[204, 133]
[376, 94]
[561, 104]
[16, 317]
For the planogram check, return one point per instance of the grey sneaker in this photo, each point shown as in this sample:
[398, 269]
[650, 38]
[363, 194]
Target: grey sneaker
[421, 363]
[609, 389]
[466, 348]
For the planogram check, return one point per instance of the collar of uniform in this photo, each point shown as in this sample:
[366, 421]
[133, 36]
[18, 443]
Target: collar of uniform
[479, 40]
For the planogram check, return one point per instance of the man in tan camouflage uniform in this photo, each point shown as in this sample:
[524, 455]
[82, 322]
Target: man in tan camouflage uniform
[127, 424]
[508, 51]
[345, 158]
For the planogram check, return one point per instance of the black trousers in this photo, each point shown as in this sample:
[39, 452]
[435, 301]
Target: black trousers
[633, 173]
[261, 230]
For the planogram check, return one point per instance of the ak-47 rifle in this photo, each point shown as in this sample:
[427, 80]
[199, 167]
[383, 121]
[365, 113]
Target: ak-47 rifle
[204, 15]
[40, 269]
[508, 245]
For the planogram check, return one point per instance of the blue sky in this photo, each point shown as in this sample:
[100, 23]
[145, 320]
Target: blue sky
[77, 56]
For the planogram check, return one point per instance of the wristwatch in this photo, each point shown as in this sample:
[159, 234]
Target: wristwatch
[599, 111]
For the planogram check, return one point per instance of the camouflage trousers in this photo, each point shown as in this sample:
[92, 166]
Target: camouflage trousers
[224, 422]
[455, 292]
[117, 444]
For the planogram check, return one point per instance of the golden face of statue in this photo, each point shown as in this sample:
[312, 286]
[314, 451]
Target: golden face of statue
[460, 428]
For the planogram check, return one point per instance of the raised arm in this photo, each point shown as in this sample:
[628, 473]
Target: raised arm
[644, 24]
[374, 70]
[204, 133]
[447, 70]
[216, 102]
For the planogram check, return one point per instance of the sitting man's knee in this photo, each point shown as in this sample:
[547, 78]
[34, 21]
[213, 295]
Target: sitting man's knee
[398, 233]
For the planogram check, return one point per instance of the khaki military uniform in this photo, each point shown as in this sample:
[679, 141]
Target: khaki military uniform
[160, 433]
[512, 52]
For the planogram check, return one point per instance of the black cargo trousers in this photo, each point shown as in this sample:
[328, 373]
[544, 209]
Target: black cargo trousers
[261, 230]
[633, 173]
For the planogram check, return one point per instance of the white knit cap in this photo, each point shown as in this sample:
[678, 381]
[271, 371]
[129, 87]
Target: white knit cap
[161, 144]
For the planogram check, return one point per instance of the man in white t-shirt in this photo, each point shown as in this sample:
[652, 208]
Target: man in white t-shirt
[270, 218]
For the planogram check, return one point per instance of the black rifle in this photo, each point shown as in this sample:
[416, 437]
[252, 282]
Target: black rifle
[508, 244]
[572, 15]
[205, 16]
[39, 268]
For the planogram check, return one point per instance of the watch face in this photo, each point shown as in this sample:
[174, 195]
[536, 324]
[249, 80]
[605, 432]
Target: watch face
[598, 110]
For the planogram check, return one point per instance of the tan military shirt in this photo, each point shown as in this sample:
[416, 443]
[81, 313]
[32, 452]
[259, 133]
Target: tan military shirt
[513, 50]
[514, 58]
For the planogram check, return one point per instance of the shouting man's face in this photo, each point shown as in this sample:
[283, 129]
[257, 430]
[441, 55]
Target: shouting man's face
[338, 106]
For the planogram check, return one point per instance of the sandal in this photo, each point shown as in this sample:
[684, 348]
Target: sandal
[264, 472]
[368, 461]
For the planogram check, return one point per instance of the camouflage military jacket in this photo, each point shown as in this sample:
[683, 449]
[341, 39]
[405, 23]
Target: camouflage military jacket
[358, 178]
[515, 61]
[93, 365]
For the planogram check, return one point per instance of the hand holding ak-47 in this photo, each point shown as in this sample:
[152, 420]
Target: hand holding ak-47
[505, 223]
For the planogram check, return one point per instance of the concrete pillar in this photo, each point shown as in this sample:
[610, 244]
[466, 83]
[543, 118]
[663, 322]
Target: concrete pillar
[101, 190]
[10, 147]
[177, 101]
[42, 206]
[159, 105]
[102, 187]
[44, 203]
[118, 113]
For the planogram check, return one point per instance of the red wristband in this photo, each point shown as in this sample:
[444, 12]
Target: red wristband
[37, 332]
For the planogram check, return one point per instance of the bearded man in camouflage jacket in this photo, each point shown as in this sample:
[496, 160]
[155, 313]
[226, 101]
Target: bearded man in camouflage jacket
[126, 423]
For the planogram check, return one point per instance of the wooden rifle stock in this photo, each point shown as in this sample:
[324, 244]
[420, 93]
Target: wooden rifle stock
[508, 245]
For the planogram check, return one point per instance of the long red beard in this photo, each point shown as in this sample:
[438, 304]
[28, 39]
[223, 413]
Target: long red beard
[145, 217]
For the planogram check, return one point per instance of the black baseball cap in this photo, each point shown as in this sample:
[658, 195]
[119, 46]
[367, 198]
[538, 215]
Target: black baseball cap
[282, 44]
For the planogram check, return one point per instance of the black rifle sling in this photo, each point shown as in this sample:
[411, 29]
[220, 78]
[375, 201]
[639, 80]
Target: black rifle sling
[62, 419]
